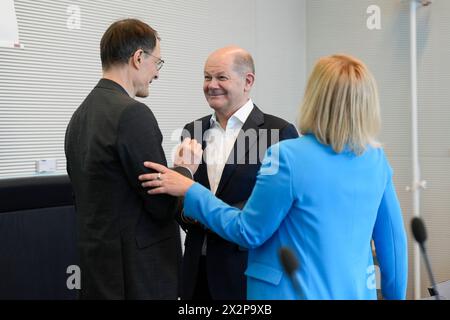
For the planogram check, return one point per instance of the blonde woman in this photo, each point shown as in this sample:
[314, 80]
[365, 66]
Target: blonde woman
[325, 195]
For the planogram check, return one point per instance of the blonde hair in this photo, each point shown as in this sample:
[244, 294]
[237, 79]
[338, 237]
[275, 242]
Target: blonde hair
[341, 105]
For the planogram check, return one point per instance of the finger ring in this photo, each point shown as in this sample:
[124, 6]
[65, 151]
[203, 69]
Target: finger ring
[159, 176]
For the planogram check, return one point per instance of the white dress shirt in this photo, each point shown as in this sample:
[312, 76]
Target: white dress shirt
[220, 143]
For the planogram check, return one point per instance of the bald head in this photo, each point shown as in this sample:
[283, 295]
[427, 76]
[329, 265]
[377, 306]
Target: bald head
[241, 59]
[229, 77]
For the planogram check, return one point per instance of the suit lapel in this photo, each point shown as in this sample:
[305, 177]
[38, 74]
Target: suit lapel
[201, 175]
[253, 122]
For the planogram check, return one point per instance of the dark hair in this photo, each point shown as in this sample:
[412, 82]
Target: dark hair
[123, 38]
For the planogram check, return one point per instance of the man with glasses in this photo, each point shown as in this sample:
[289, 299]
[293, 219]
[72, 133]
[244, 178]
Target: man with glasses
[129, 241]
[159, 62]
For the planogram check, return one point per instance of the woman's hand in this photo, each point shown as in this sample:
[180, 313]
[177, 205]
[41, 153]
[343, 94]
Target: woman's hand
[164, 180]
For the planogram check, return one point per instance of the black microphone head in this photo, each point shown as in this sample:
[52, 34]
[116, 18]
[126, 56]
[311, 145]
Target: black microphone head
[288, 260]
[418, 230]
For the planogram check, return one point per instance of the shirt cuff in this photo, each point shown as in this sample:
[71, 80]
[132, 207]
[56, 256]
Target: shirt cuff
[185, 171]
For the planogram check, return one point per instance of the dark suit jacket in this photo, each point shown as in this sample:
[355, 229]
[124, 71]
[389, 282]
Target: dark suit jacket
[226, 262]
[129, 241]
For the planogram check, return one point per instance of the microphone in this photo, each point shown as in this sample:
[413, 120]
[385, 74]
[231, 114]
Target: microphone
[420, 234]
[290, 265]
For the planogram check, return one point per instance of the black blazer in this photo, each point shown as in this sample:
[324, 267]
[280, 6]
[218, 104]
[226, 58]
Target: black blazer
[129, 241]
[226, 262]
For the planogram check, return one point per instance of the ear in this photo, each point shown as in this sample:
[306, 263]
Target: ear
[249, 81]
[136, 59]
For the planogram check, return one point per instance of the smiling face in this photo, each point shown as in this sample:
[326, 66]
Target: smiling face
[148, 71]
[225, 89]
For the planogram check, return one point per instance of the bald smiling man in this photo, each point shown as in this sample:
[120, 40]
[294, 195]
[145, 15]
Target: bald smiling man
[235, 137]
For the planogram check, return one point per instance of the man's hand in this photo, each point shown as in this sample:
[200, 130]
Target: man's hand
[189, 154]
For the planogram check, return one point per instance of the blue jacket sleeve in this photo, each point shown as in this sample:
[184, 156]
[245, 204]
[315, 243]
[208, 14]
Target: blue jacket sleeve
[391, 245]
[263, 213]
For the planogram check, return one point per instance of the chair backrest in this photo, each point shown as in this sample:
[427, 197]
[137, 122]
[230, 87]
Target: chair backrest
[37, 237]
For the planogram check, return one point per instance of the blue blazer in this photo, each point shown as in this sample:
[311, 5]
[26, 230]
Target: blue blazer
[226, 262]
[327, 208]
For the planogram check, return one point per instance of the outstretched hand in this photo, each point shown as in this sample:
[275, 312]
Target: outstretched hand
[164, 180]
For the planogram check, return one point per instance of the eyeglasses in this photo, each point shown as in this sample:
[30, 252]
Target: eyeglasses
[159, 63]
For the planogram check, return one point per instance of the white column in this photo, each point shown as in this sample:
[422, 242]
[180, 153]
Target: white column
[415, 188]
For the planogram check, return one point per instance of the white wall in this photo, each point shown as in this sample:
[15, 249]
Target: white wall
[41, 85]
